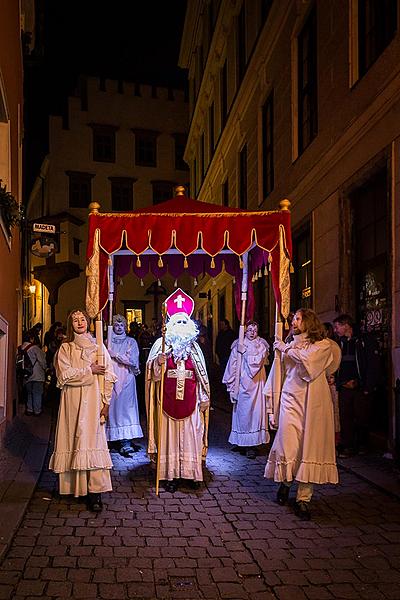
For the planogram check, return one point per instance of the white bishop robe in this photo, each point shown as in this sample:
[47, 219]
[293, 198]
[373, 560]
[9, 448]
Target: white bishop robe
[183, 442]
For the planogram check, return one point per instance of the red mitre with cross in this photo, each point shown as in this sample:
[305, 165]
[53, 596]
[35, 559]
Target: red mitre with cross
[179, 301]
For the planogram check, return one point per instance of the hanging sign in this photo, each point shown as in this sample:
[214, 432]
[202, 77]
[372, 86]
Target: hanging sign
[44, 228]
[43, 246]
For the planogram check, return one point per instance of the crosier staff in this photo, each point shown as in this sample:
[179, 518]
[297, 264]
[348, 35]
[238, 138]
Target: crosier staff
[160, 406]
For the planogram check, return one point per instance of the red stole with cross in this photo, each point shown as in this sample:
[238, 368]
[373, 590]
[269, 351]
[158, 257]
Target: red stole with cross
[179, 388]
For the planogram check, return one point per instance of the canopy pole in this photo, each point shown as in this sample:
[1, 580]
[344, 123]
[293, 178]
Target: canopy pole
[284, 205]
[100, 356]
[110, 298]
[160, 404]
[242, 322]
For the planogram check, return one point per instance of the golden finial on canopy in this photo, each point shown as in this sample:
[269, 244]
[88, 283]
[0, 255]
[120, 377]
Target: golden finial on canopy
[285, 204]
[180, 190]
[94, 208]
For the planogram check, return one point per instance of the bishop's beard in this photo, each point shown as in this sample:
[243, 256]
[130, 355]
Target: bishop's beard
[180, 340]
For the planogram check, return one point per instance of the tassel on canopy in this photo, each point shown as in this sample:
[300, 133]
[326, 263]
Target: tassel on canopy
[240, 262]
[269, 261]
[185, 263]
[195, 282]
[212, 263]
[159, 283]
[160, 262]
[176, 283]
[265, 270]
[141, 283]
[138, 263]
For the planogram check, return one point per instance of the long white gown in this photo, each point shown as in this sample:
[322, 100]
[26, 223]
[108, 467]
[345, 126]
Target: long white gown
[123, 419]
[304, 445]
[81, 456]
[183, 442]
[249, 415]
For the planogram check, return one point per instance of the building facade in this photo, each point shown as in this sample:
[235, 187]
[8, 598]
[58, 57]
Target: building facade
[121, 144]
[11, 135]
[301, 100]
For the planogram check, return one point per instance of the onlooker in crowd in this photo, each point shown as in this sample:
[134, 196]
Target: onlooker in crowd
[205, 345]
[53, 344]
[81, 456]
[356, 380]
[37, 334]
[123, 419]
[225, 338]
[134, 329]
[246, 368]
[50, 333]
[304, 446]
[337, 354]
[35, 383]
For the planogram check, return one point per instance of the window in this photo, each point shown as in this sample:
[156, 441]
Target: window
[377, 24]
[103, 142]
[202, 158]
[211, 131]
[122, 193]
[265, 8]
[243, 177]
[307, 83]
[224, 94]
[268, 145]
[162, 190]
[80, 189]
[225, 193]
[145, 147]
[241, 43]
[302, 262]
[180, 145]
[194, 176]
[76, 246]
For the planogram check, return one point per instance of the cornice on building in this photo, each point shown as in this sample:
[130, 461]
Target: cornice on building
[255, 81]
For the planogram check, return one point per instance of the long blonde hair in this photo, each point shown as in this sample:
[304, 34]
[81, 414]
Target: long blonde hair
[313, 326]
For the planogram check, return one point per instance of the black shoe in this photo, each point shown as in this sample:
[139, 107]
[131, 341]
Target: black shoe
[282, 495]
[171, 486]
[251, 453]
[127, 451]
[302, 510]
[234, 448]
[94, 502]
[193, 485]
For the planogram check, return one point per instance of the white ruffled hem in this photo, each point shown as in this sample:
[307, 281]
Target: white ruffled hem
[129, 432]
[80, 460]
[249, 439]
[300, 470]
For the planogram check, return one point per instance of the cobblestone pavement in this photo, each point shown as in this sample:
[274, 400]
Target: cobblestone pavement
[229, 540]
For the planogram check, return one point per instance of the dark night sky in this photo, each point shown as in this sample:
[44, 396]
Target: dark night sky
[134, 40]
[128, 39]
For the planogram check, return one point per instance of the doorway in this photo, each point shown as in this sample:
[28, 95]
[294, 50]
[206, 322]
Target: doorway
[371, 280]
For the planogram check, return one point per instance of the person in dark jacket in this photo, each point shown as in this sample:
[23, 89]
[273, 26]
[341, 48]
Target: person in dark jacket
[225, 338]
[356, 380]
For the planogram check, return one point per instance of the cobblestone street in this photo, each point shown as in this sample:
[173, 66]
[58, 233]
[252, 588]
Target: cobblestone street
[228, 540]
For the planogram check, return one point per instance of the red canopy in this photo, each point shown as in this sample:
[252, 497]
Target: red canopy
[189, 227]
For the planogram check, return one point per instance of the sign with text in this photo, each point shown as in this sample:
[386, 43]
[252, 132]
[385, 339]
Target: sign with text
[43, 228]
